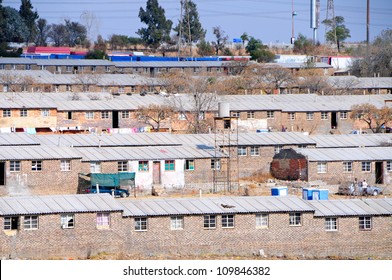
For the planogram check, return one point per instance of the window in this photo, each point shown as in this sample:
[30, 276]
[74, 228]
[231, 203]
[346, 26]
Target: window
[140, 224]
[389, 166]
[250, 115]
[104, 115]
[209, 221]
[68, 88]
[45, 113]
[69, 115]
[261, 220]
[6, 113]
[324, 115]
[143, 166]
[181, 116]
[65, 165]
[254, 151]
[277, 149]
[30, 222]
[331, 224]
[190, 164]
[14, 166]
[309, 116]
[295, 219]
[365, 223]
[169, 165]
[93, 68]
[366, 166]
[107, 68]
[80, 68]
[95, 167]
[103, 219]
[89, 115]
[321, 167]
[235, 114]
[215, 164]
[270, 114]
[121, 89]
[241, 151]
[122, 166]
[347, 166]
[68, 69]
[36, 165]
[343, 115]
[291, 116]
[125, 114]
[227, 221]
[67, 220]
[11, 223]
[23, 113]
[176, 223]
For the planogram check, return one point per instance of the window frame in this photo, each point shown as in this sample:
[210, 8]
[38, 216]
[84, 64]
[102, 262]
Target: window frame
[347, 166]
[142, 164]
[95, 167]
[45, 113]
[67, 221]
[331, 224]
[15, 166]
[103, 219]
[170, 165]
[125, 114]
[262, 220]
[343, 115]
[8, 223]
[324, 116]
[366, 166]
[295, 219]
[23, 113]
[89, 115]
[36, 165]
[65, 165]
[270, 115]
[322, 167]
[30, 222]
[6, 113]
[189, 165]
[250, 114]
[365, 223]
[291, 116]
[309, 116]
[209, 221]
[227, 221]
[105, 115]
[122, 166]
[242, 151]
[389, 166]
[140, 223]
[177, 223]
[215, 164]
[254, 151]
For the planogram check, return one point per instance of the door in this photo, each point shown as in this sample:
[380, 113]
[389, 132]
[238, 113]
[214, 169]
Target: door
[334, 120]
[156, 172]
[2, 173]
[379, 173]
[115, 119]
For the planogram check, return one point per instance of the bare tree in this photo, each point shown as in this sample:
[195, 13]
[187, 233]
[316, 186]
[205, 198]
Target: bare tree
[92, 24]
[272, 77]
[374, 117]
[315, 84]
[153, 115]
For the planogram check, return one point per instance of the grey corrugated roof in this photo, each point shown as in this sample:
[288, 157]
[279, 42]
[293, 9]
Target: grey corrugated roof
[37, 153]
[348, 154]
[34, 205]
[16, 60]
[74, 62]
[108, 140]
[352, 207]
[213, 205]
[352, 140]
[17, 139]
[144, 153]
[168, 64]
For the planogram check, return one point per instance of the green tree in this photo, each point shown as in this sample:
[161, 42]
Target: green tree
[57, 33]
[204, 48]
[2, 22]
[258, 51]
[42, 32]
[76, 33]
[338, 33]
[15, 29]
[245, 38]
[158, 27]
[303, 45]
[29, 18]
[189, 27]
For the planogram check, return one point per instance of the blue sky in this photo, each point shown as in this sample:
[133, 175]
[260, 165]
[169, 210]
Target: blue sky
[269, 21]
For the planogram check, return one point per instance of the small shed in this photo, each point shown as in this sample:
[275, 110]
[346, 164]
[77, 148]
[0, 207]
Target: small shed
[289, 165]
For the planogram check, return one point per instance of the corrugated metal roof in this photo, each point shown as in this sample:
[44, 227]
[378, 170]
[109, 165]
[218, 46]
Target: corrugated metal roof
[16, 60]
[214, 205]
[74, 62]
[168, 64]
[144, 153]
[352, 207]
[348, 154]
[37, 153]
[17, 139]
[34, 205]
[352, 140]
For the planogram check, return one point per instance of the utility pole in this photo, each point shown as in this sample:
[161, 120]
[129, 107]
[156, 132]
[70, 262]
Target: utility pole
[367, 21]
[331, 17]
[293, 13]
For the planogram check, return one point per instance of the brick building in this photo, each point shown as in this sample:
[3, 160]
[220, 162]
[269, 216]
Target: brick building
[44, 227]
